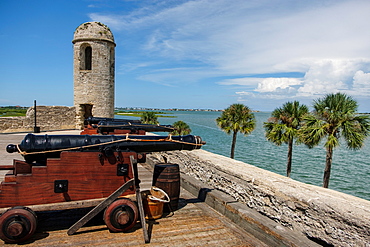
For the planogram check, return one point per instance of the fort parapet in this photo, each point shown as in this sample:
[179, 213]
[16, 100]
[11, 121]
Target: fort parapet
[277, 209]
[47, 118]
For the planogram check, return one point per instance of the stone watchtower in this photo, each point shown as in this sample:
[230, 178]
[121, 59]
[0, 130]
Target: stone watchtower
[94, 59]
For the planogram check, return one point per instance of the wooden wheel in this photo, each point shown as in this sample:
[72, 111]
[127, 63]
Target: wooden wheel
[121, 215]
[17, 224]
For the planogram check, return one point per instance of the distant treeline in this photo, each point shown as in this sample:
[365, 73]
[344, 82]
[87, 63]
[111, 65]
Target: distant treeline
[13, 111]
[141, 109]
[137, 113]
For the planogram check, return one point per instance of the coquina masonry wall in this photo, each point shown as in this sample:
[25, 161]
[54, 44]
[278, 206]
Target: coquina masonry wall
[94, 70]
[47, 118]
[326, 216]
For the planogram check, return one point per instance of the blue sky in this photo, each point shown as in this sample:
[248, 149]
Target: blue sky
[192, 54]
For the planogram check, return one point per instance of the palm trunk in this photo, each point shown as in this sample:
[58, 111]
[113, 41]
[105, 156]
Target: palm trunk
[290, 154]
[329, 157]
[233, 144]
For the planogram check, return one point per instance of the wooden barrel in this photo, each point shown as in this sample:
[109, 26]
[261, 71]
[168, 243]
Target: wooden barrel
[166, 176]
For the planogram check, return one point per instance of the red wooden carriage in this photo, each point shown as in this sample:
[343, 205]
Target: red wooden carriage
[74, 171]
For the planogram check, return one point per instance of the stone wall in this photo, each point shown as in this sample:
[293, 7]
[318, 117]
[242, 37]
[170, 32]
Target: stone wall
[13, 124]
[47, 118]
[325, 216]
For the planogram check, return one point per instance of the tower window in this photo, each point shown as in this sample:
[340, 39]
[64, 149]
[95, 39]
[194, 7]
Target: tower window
[88, 56]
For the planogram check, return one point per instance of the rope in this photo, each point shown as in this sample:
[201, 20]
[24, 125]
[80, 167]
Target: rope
[153, 198]
[168, 139]
[20, 151]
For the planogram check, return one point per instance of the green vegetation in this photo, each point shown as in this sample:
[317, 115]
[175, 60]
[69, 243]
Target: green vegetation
[181, 128]
[149, 117]
[13, 111]
[283, 127]
[236, 118]
[334, 117]
[140, 113]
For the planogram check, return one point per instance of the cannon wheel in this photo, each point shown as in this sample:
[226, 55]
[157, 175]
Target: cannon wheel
[17, 224]
[121, 215]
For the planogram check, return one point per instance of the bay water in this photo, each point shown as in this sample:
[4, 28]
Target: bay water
[350, 172]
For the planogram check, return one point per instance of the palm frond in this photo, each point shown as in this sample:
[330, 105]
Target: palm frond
[283, 126]
[237, 117]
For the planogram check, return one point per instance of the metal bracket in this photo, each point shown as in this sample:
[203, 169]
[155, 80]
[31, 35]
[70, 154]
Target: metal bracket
[60, 186]
[122, 169]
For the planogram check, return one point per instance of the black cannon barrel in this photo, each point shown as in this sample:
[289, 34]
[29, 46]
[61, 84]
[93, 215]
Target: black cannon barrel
[96, 120]
[40, 147]
[110, 126]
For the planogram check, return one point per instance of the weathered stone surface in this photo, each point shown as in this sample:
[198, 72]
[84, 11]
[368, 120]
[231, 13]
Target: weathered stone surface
[47, 118]
[324, 215]
[93, 84]
[93, 30]
[13, 124]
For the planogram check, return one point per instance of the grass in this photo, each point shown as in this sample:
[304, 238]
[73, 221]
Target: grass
[139, 113]
[12, 112]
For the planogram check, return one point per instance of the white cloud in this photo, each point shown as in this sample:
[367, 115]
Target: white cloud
[112, 21]
[327, 41]
[323, 76]
[361, 79]
[241, 38]
[247, 81]
[361, 83]
[278, 84]
[131, 66]
[244, 93]
[263, 86]
[332, 75]
[249, 37]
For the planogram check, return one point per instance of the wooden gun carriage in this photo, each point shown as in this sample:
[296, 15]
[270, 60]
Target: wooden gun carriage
[74, 171]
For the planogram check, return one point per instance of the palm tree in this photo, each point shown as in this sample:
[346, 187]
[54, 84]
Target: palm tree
[283, 127]
[335, 116]
[181, 128]
[149, 117]
[236, 118]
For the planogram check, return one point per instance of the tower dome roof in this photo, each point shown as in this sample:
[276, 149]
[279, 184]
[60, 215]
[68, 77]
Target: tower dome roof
[93, 31]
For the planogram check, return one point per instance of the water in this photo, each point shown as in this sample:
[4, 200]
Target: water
[350, 171]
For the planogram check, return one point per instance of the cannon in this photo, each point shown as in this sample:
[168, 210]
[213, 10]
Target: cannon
[75, 171]
[91, 126]
[40, 147]
[108, 127]
[96, 120]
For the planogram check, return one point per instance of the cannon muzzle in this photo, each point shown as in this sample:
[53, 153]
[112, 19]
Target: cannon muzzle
[39, 147]
[11, 148]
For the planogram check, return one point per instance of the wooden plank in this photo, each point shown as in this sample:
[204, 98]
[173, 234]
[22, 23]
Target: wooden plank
[68, 205]
[102, 205]
[88, 178]
[6, 167]
[193, 224]
[138, 198]
[21, 167]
